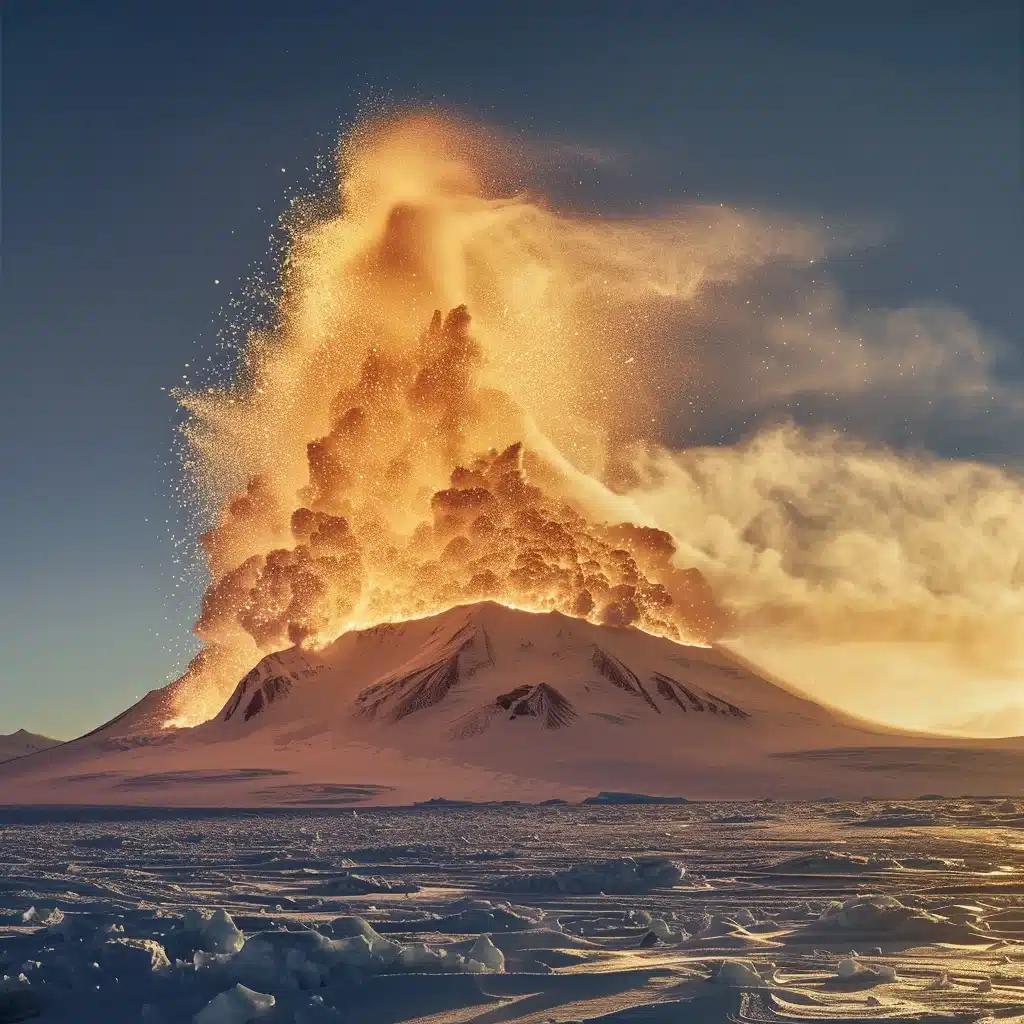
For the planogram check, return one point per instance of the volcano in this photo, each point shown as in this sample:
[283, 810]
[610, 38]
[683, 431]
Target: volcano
[476, 669]
[486, 702]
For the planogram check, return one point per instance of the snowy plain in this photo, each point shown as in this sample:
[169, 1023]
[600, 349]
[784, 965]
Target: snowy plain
[446, 914]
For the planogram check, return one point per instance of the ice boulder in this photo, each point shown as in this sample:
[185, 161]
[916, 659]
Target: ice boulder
[848, 968]
[217, 931]
[356, 951]
[349, 929]
[659, 930]
[350, 925]
[851, 969]
[485, 952]
[420, 955]
[887, 917]
[237, 1005]
[306, 957]
[49, 918]
[739, 974]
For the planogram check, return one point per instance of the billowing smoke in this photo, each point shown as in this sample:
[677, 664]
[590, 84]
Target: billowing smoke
[812, 535]
[370, 541]
[471, 396]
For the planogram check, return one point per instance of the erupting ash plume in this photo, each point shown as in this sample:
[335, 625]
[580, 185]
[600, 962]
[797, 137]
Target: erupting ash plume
[466, 397]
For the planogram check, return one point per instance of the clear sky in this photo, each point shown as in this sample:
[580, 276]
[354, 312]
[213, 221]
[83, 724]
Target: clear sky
[146, 153]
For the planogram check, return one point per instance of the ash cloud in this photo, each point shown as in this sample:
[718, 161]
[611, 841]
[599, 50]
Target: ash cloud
[558, 448]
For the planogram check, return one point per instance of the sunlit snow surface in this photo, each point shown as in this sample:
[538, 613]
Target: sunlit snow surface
[781, 912]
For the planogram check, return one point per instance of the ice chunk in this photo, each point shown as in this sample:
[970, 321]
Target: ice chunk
[739, 974]
[874, 915]
[217, 931]
[50, 918]
[221, 934]
[419, 954]
[485, 952]
[927, 863]
[237, 1005]
[356, 927]
[201, 959]
[661, 931]
[355, 951]
[848, 968]
[348, 926]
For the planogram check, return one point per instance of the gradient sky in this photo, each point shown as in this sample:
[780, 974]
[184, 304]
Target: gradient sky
[143, 148]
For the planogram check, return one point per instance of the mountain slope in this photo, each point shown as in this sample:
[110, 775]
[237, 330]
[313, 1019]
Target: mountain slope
[486, 702]
[22, 742]
[487, 669]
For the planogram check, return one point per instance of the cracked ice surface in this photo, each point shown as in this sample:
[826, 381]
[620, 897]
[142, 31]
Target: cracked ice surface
[517, 913]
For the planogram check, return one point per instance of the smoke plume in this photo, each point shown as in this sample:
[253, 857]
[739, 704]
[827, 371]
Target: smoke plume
[469, 395]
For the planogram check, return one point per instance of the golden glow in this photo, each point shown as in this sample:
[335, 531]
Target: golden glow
[457, 374]
[398, 462]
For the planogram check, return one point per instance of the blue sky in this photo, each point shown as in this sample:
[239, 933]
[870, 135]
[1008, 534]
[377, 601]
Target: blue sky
[143, 147]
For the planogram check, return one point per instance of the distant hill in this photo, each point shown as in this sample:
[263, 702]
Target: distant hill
[17, 744]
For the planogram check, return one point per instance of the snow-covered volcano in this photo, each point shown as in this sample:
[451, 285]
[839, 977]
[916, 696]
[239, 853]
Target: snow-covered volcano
[489, 669]
[487, 702]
